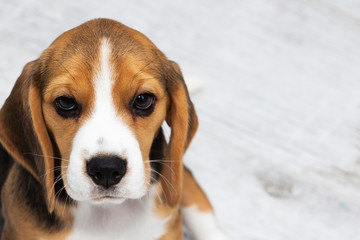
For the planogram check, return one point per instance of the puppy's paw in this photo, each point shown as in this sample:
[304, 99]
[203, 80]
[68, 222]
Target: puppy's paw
[216, 235]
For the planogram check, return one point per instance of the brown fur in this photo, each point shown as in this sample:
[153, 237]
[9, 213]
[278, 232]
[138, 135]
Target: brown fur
[38, 138]
[193, 194]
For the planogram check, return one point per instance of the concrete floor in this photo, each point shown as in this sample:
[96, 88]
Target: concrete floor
[278, 100]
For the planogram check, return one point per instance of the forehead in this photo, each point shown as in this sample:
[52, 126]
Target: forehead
[75, 57]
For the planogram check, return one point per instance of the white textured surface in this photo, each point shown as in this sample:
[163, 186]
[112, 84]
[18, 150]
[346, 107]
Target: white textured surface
[279, 103]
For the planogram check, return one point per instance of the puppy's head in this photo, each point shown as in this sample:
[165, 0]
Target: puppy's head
[96, 99]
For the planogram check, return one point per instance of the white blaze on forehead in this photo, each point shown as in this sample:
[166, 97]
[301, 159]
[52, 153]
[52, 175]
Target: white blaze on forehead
[103, 82]
[105, 132]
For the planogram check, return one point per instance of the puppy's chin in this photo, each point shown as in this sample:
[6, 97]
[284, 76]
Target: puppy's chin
[107, 201]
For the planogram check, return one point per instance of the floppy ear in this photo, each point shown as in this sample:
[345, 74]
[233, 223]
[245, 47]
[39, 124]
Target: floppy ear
[182, 119]
[23, 132]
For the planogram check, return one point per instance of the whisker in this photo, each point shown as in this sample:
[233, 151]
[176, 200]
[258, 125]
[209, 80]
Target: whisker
[67, 196]
[57, 195]
[40, 155]
[157, 192]
[53, 170]
[168, 183]
[53, 187]
[162, 162]
[159, 184]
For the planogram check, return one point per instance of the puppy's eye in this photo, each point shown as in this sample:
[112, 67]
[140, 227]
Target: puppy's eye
[144, 101]
[66, 104]
[67, 107]
[143, 104]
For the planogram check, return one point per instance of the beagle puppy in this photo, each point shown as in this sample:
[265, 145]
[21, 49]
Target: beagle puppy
[83, 154]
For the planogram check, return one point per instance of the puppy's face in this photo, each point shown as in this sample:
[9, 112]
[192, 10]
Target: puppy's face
[103, 104]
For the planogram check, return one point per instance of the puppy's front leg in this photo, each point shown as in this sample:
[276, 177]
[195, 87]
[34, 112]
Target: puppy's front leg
[197, 211]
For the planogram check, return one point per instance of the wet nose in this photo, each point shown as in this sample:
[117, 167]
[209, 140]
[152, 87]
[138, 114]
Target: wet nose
[106, 171]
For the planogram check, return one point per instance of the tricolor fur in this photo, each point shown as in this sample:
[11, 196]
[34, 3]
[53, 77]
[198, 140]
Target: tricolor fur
[82, 152]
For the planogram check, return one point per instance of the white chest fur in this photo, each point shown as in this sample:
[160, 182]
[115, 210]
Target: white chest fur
[133, 219]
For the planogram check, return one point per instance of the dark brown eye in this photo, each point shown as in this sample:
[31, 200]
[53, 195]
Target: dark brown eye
[143, 104]
[66, 104]
[67, 107]
[144, 101]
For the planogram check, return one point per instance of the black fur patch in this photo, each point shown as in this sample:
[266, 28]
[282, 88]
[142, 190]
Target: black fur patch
[32, 192]
[157, 155]
[60, 192]
[6, 163]
[29, 189]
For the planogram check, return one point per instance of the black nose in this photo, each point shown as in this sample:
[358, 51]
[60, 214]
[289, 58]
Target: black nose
[106, 171]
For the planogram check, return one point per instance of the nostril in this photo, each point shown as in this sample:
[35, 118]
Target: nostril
[97, 176]
[116, 174]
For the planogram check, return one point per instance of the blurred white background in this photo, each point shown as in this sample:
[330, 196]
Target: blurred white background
[278, 103]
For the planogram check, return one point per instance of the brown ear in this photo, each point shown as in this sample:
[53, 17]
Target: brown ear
[23, 132]
[182, 119]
